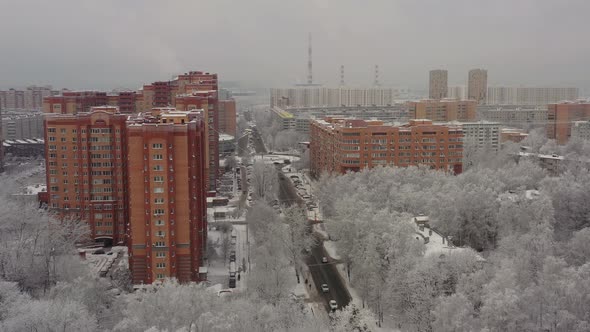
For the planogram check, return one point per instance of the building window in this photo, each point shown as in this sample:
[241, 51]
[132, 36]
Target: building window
[161, 254]
[158, 190]
[157, 146]
[160, 276]
[157, 157]
[159, 201]
[161, 265]
[159, 222]
[158, 178]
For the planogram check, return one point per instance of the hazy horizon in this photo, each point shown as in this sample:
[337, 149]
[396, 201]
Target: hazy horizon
[262, 43]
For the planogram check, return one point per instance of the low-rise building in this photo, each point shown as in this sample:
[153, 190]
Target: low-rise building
[340, 145]
[481, 134]
[442, 110]
[514, 135]
[22, 125]
[298, 118]
[227, 144]
[581, 130]
[30, 147]
[560, 118]
[514, 115]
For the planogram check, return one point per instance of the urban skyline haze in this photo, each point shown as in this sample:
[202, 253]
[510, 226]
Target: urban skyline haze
[111, 44]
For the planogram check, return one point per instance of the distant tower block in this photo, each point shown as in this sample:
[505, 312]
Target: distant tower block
[376, 83]
[342, 75]
[309, 65]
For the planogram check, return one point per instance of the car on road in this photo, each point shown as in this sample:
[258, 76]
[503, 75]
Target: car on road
[324, 259]
[333, 305]
[325, 288]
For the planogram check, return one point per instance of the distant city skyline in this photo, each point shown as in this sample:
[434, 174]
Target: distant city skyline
[107, 44]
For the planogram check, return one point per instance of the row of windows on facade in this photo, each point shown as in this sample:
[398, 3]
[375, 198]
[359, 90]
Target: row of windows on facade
[401, 133]
[53, 180]
[83, 131]
[402, 161]
[403, 154]
[107, 164]
[92, 148]
[99, 207]
[401, 140]
[92, 156]
[402, 147]
[106, 139]
[86, 207]
[159, 233]
[85, 198]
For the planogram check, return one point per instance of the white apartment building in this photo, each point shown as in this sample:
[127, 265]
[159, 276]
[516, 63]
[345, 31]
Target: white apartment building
[332, 97]
[502, 95]
[457, 92]
[581, 130]
[482, 134]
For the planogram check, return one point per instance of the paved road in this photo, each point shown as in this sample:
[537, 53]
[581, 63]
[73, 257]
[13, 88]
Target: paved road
[287, 193]
[326, 273]
[322, 273]
[257, 140]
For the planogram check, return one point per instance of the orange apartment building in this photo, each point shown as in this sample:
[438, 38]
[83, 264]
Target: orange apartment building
[341, 145]
[443, 110]
[74, 102]
[157, 94]
[227, 117]
[560, 118]
[167, 201]
[85, 157]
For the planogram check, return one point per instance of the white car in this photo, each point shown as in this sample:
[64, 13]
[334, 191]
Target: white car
[324, 259]
[333, 305]
[325, 288]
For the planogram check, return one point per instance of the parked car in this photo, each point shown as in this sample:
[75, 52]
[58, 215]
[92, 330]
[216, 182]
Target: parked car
[325, 288]
[333, 305]
[324, 259]
[99, 252]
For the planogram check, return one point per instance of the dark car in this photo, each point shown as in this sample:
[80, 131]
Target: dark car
[99, 252]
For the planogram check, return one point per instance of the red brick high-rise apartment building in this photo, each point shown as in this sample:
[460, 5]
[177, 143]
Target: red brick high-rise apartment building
[561, 116]
[342, 145]
[227, 117]
[74, 102]
[167, 180]
[85, 157]
[178, 93]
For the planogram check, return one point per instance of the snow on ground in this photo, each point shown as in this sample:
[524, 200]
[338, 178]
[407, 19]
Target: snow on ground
[218, 269]
[103, 262]
[331, 249]
[272, 158]
[437, 244]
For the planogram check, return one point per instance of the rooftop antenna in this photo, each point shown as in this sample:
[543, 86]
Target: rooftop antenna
[376, 83]
[309, 66]
[341, 75]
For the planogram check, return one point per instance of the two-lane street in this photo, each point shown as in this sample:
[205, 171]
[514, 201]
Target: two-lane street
[322, 273]
[326, 273]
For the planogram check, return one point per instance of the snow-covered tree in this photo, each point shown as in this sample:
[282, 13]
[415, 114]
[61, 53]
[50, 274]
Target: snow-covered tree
[297, 237]
[264, 180]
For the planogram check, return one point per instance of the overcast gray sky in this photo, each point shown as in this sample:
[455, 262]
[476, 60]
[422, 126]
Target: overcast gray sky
[122, 43]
